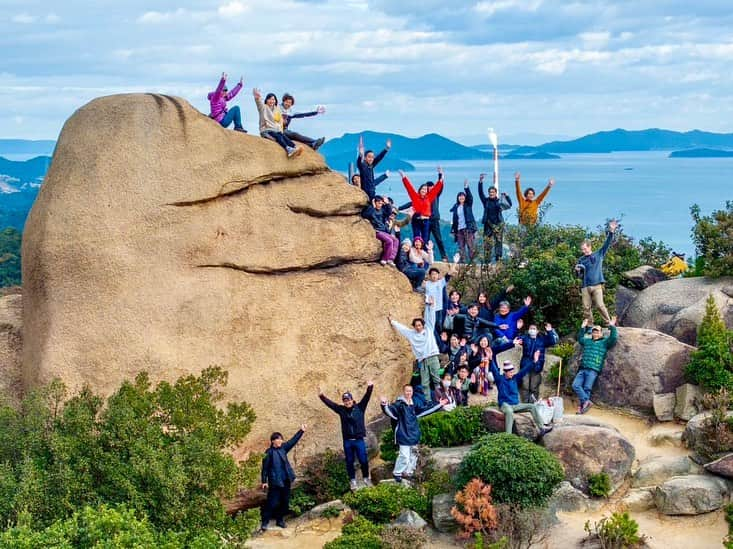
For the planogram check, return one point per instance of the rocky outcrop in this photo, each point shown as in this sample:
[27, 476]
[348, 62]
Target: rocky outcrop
[691, 495]
[163, 242]
[643, 363]
[569, 499]
[663, 405]
[638, 500]
[442, 519]
[642, 277]
[524, 425]
[698, 433]
[688, 401]
[654, 472]
[11, 346]
[448, 459]
[722, 466]
[676, 307]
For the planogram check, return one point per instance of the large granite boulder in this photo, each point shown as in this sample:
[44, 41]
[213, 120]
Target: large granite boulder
[524, 425]
[642, 364]
[676, 307]
[442, 518]
[723, 466]
[655, 471]
[642, 277]
[162, 242]
[699, 433]
[11, 347]
[448, 459]
[691, 495]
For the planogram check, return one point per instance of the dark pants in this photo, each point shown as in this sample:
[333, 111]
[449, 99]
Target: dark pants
[416, 275]
[464, 238]
[356, 448]
[530, 386]
[277, 504]
[495, 232]
[282, 140]
[421, 228]
[232, 115]
[295, 136]
[439, 318]
[437, 237]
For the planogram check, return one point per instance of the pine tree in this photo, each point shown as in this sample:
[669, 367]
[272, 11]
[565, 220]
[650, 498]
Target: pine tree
[711, 365]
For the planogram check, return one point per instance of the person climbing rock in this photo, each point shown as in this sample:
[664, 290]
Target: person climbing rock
[493, 218]
[277, 477]
[529, 205]
[288, 116]
[366, 162]
[353, 431]
[463, 225]
[508, 394]
[218, 103]
[590, 269]
[592, 361]
[271, 123]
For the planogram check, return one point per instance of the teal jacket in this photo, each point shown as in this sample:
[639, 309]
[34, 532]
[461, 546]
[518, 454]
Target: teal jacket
[594, 351]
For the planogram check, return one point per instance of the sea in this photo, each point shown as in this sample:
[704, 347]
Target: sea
[648, 192]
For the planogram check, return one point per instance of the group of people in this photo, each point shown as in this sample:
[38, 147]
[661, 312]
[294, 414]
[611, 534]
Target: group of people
[274, 119]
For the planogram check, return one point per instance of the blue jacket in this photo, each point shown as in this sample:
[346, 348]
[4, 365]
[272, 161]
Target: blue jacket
[539, 343]
[591, 266]
[407, 431]
[366, 172]
[276, 469]
[510, 319]
[467, 212]
[508, 389]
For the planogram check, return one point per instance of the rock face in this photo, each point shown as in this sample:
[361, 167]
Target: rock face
[691, 495]
[524, 425]
[569, 499]
[163, 242]
[676, 307]
[642, 277]
[664, 406]
[696, 433]
[687, 401]
[448, 459]
[655, 471]
[722, 466]
[638, 500]
[643, 363]
[11, 346]
[442, 519]
[585, 450]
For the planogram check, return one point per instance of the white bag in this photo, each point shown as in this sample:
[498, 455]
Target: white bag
[558, 407]
[546, 410]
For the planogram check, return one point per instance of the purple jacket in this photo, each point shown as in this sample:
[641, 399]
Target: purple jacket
[219, 104]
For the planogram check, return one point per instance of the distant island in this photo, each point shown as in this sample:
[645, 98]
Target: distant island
[539, 155]
[701, 153]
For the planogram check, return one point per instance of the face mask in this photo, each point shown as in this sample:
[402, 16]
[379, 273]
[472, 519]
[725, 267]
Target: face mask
[532, 333]
[446, 383]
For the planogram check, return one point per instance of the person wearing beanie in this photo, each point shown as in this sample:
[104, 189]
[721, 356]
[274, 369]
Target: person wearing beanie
[529, 205]
[271, 123]
[463, 227]
[595, 349]
[353, 431]
[288, 116]
[277, 477]
[218, 103]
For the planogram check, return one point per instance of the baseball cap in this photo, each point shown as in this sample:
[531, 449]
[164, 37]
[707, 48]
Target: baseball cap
[347, 396]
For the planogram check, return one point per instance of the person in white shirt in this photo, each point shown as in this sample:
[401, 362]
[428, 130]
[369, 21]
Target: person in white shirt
[435, 287]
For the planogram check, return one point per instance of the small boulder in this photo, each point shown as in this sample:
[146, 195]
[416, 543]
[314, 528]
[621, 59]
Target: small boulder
[642, 277]
[722, 466]
[688, 401]
[654, 472]
[569, 499]
[697, 434]
[664, 406]
[586, 450]
[448, 459]
[638, 500]
[691, 495]
[411, 519]
[661, 435]
[624, 298]
[442, 519]
[524, 425]
[318, 510]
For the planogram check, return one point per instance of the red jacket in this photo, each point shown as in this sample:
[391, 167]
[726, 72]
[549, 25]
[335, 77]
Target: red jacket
[422, 206]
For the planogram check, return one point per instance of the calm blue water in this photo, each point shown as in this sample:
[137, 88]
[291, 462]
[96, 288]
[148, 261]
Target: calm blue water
[653, 199]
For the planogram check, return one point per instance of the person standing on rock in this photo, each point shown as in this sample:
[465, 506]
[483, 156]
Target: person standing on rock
[407, 429]
[277, 477]
[590, 269]
[378, 215]
[422, 201]
[493, 218]
[595, 349]
[366, 162]
[507, 386]
[532, 342]
[434, 231]
[288, 116]
[529, 205]
[218, 102]
[463, 226]
[353, 431]
[435, 287]
[271, 123]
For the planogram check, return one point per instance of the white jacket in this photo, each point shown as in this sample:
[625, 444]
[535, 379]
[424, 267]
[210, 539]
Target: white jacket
[423, 343]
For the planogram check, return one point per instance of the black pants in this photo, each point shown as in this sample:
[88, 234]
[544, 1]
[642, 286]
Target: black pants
[278, 502]
[281, 139]
[295, 136]
[437, 237]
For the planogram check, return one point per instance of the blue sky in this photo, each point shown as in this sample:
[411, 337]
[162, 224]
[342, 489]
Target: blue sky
[549, 67]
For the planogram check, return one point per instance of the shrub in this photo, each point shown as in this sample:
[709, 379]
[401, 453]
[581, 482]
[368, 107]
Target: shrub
[619, 531]
[521, 528]
[728, 540]
[403, 537]
[565, 351]
[358, 533]
[599, 485]
[383, 502]
[711, 365]
[713, 237]
[474, 510]
[387, 446]
[519, 471]
[325, 477]
[717, 429]
[301, 501]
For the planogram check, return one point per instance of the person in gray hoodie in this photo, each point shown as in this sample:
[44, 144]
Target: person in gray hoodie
[271, 123]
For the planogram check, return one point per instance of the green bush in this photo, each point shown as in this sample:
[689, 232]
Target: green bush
[711, 365]
[728, 540]
[324, 476]
[387, 446]
[599, 485]
[400, 536]
[713, 237]
[384, 502]
[519, 471]
[10, 257]
[301, 501]
[565, 351]
[360, 533]
[619, 531]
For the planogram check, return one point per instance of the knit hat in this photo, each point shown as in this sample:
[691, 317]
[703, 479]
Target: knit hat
[507, 366]
[406, 241]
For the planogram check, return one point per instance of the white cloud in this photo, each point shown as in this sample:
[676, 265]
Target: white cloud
[488, 8]
[24, 18]
[232, 9]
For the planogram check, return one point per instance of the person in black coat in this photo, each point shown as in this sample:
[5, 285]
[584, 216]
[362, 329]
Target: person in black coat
[353, 431]
[463, 227]
[366, 162]
[493, 219]
[277, 477]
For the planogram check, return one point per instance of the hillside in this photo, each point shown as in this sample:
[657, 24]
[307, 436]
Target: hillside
[24, 146]
[701, 153]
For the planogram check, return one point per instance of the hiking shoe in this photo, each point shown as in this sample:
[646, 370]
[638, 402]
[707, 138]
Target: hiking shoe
[391, 264]
[545, 430]
[397, 478]
[281, 523]
[383, 263]
[368, 482]
[353, 485]
[586, 406]
[240, 129]
[318, 142]
[580, 410]
[263, 528]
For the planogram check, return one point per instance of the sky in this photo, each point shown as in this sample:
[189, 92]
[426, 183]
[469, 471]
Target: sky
[531, 69]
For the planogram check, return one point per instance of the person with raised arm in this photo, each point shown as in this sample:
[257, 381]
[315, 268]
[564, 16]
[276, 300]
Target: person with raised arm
[422, 200]
[532, 342]
[218, 104]
[493, 218]
[590, 269]
[353, 431]
[529, 205]
[435, 233]
[271, 123]
[277, 477]
[366, 162]
[595, 349]
[288, 116]
[463, 226]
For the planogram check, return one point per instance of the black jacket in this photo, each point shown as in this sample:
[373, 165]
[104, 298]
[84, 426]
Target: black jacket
[366, 172]
[352, 419]
[467, 212]
[407, 430]
[539, 343]
[276, 469]
[493, 210]
[378, 218]
[472, 327]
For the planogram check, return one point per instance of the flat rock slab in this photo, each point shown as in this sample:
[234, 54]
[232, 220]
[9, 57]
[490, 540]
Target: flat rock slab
[638, 500]
[656, 471]
[448, 459]
[442, 519]
[691, 495]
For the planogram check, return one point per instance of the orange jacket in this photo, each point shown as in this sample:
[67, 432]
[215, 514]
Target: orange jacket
[422, 206]
[528, 209]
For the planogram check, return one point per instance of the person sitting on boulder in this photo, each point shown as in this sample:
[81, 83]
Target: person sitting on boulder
[590, 269]
[415, 274]
[529, 205]
[453, 346]
[507, 321]
[356, 180]
[419, 256]
[377, 214]
[366, 162]
[464, 382]
[486, 306]
[422, 200]
[595, 349]
[463, 225]
[277, 477]
[353, 431]
[447, 392]
[405, 413]
[271, 123]
[288, 101]
[508, 394]
[472, 324]
[532, 341]
[218, 103]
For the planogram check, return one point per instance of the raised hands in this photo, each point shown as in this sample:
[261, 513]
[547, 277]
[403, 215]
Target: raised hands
[528, 301]
[613, 321]
[303, 427]
[241, 80]
[465, 183]
[402, 174]
[256, 93]
[481, 177]
[517, 175]
[383, 401]
[387, 172]
[551, 183]
[510, 288]
[429, 245]
[536, 356]
[224, 75]
[388, 144]
[612, 225]
[585, 323]
[370, 383]
[440, 172]
[321, 109]
[520, 324]
[361, 145]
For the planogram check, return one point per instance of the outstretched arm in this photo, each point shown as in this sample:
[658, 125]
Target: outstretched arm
[222, 83]
[380, 179]
[233, 93]
[481, 193]
[518, 189]
[365, 399]
[379, 157]
[304, 114]
[409, 188]
[328, 402]
[293, 441]
[543, 194]
[609, 237]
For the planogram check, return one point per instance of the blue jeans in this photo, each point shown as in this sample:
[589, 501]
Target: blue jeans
[421, 228]
[280, 138]
[583, 383]
[356, 448]
[232, 115]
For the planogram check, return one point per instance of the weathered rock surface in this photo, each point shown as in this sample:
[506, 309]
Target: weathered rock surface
[11, 346]
[664, 406]
[696, 433]
[585, 450]
[624, 298]
[569, 499]
[722, 466]
[448, 459]
[643, 363]
[691, 495]
[524, 425]
[163, 242]
[442, 519]
[687, 401]
[661, 435]
[656, 471]
[642, 277]
[676, 307]
[411, 519]
[638, 500]
[318, 510]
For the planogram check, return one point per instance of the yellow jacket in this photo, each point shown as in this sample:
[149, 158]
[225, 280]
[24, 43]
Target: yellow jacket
[674, 267]
[528, 209]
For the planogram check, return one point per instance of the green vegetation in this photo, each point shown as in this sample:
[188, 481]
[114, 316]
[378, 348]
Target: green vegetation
[713, 238]
[717, 429]
[565, 351]
[9, 257]
[728, 540]
[599, 485]
[324, 476]
[619, 531]
[518, 471]
[711, 365]
[158, 453]
[383, 502]
[360, 533]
